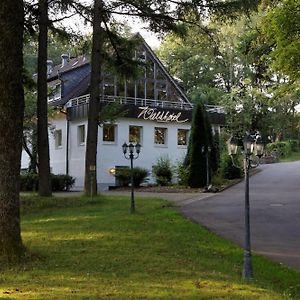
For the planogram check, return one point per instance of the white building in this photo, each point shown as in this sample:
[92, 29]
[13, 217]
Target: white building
[157, 114]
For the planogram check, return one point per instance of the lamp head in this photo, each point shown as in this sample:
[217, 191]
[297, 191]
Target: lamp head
[248, 144]
[232, 145]
[138, 148]
[259, 147]
[124, 148]
[131, 148]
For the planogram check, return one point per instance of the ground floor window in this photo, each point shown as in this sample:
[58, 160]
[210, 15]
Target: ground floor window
[81, 134]
[58, 138]
[109, 133]
[182, 137]
[135, 134]
[160, 136]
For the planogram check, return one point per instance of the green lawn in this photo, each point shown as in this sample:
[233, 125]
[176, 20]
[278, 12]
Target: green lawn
[84, 249]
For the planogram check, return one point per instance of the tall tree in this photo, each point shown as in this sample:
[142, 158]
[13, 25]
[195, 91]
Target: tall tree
[90, 184]
[42, 103]
[11, 124]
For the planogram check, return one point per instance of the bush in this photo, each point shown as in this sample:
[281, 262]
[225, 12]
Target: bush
[228, 170]
[139, 176]
[282, 148]
[162, 171]
[29, 182]
[61, 182]
[294, 145]
[182, 173]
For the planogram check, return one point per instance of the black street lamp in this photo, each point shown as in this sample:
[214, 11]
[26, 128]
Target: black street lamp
[252, 144]
[131, 155]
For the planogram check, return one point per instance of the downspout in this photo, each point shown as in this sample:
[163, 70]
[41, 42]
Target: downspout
[67, 144]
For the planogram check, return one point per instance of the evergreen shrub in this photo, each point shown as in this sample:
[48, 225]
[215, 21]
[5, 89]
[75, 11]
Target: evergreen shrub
[163, 171]
[295, 145]
[139, 176]
[60, 182]
[228, 169]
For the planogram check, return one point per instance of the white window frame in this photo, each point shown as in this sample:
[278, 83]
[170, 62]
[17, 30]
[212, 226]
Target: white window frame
[58, 138]
[81, 135]
[115, 134]
[141, 134]
[187, 137]
[165, 144]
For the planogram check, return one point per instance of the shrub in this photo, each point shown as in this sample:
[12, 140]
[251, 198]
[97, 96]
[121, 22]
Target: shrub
[29, 182]
[282, 148]
[139, 176]
[182, 173]
[228, 170]
[61, 182]
[162, 171]
[294, 145]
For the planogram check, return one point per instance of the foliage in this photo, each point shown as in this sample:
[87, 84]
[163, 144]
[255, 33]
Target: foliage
[75, 238]
[60, 182]
[182, 171]
[228, 169]
[295, 145]
[281, 148]
[124, 176]
[163, 171]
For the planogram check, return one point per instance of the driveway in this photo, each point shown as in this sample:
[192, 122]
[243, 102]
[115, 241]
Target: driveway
[275, 213]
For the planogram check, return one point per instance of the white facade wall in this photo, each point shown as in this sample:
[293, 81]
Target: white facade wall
[110, 154]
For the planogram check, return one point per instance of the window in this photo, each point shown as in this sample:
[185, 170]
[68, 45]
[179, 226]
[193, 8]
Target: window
[109, 133]
[182, 137]
[160, 136]
[81, 134]
[58, 138]
[135, 134]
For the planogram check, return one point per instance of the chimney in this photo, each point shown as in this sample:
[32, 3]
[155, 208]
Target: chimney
[64, 60]
[49, 66]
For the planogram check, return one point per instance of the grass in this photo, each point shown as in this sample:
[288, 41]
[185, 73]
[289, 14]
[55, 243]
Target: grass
[95, 249]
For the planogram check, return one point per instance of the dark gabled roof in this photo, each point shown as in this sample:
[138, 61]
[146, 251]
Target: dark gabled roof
[72, 64]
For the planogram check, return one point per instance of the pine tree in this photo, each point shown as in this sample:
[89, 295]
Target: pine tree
[198, 142]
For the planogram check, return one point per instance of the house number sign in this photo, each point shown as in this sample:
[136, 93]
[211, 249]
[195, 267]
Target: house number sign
[153, 114]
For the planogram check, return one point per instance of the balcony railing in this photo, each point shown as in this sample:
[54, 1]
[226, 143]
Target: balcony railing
[142, 102]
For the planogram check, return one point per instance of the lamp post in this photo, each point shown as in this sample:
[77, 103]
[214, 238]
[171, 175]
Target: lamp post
[131, 148]
[206, 150]
[252, 144]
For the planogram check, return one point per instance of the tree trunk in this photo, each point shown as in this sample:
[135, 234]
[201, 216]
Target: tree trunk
[90, 185]
[11, 126]
[42, 104]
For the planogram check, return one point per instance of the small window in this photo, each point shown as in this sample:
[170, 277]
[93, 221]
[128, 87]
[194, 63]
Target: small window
[109, 133]
[58, 138]
[160, 136]
[182, 137]
[81, 134]
[135, 134]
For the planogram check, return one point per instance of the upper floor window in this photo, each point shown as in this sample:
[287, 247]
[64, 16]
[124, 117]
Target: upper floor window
[160, 136]
[109, 133]
[58, 138]
[182, 137]
[81, 134]
[135, 134]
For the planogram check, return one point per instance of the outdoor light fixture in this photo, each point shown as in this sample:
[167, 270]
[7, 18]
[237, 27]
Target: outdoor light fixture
[134, 151]
[252, 145]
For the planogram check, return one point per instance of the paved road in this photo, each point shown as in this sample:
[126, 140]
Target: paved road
[275, 213]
